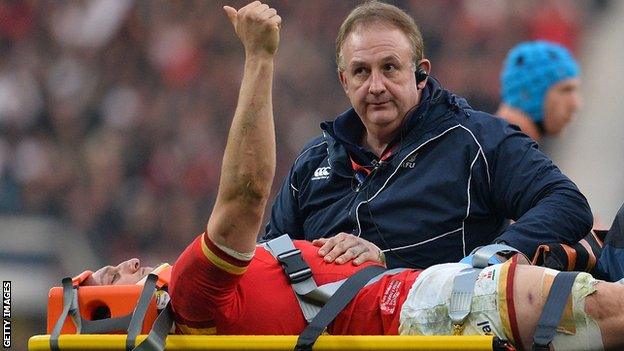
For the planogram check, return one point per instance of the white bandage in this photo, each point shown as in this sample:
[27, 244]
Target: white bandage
[425, 311]
[587, 335]
[243, 256]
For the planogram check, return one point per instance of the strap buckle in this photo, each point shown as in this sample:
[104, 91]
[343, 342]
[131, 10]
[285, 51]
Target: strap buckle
[460, 303]
[294, 266]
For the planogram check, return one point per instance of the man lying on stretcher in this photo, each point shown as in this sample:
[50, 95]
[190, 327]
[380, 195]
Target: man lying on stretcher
[224, 283]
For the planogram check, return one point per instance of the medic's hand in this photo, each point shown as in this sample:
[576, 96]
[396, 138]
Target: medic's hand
[345, 247]
[257, 26]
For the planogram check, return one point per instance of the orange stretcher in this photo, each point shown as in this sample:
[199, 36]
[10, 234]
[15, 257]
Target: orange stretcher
[102, 318]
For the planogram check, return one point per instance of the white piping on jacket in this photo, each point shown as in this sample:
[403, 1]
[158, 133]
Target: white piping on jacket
[424, 241]
[300, 155]
[479, 152]
[487, 164]
[463, 226]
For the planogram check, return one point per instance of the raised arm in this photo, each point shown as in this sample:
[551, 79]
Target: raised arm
[249, 160]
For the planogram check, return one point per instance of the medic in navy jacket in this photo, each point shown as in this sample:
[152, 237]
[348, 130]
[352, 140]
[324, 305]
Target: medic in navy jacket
[453, 179]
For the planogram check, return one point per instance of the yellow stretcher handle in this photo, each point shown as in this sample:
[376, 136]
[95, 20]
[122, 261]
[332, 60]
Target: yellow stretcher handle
[109, 342]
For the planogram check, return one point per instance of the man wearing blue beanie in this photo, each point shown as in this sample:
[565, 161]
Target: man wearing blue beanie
[539, 88]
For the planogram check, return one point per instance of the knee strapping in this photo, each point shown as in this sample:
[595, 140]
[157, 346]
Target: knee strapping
[576, 329]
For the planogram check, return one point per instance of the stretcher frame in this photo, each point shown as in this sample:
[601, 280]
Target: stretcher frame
[114, 342]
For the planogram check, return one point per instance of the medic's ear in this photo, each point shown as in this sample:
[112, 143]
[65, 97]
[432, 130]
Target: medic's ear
[422, 73]
[343, 81]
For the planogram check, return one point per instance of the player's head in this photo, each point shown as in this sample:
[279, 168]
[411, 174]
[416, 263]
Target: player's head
[127, 272]
[542, 80]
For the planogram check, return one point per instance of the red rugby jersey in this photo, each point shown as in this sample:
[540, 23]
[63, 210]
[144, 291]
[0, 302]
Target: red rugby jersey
[214, 293]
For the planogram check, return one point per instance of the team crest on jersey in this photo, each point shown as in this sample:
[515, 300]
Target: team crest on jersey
[321, 173]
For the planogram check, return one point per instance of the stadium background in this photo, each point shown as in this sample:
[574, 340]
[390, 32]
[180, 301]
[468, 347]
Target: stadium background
[114, 115]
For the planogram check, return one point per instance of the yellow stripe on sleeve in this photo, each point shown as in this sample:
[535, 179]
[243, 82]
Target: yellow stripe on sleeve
[219, 262]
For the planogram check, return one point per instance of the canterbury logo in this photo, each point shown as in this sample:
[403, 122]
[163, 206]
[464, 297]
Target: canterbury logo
[321, 173]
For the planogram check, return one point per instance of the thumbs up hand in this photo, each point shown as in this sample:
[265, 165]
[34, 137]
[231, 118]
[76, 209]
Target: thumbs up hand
[257, 26]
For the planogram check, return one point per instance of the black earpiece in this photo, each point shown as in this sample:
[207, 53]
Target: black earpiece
[421, 75]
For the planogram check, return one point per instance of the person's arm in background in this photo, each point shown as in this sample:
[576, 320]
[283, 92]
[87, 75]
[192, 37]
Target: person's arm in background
[528, 188]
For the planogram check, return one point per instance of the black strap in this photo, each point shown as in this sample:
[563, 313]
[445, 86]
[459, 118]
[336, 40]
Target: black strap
[68, 292]
[582, 258]
[155, 341]
[334, 305]
[139, 311]
[553, 310]
[595, 243]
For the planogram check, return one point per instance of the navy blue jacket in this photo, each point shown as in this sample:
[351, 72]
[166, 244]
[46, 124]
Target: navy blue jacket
[610, 265]
[454, 179]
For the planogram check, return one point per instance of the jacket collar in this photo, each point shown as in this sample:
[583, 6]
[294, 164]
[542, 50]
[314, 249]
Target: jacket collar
[347, 129]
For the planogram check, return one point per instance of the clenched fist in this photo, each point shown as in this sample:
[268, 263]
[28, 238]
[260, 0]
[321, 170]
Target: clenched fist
[257, 26]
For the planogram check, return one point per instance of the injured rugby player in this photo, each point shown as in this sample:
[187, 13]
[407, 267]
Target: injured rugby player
[225, 283]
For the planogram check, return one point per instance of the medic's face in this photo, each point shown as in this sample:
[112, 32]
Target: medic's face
[126, 273]
[378, 75]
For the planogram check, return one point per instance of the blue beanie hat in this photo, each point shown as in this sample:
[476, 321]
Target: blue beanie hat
[530, 69]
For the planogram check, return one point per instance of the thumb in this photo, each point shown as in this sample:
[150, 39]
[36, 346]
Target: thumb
[232, 14]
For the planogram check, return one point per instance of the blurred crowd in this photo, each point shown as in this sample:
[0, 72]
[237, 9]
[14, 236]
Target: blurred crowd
[114, 113]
